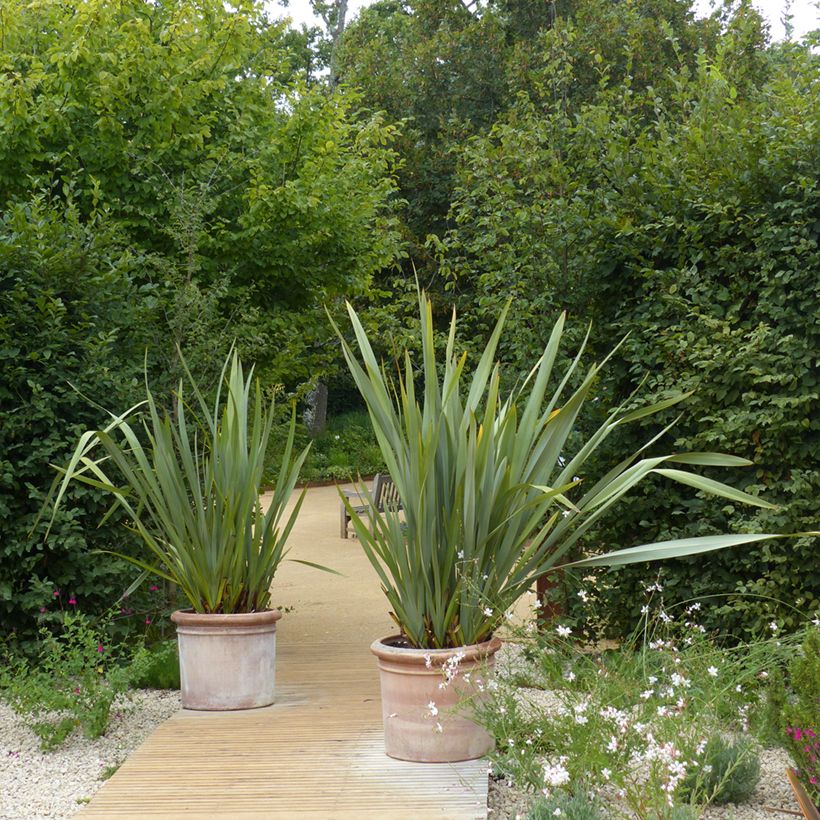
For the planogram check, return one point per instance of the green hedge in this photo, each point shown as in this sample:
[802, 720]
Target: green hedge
[695, 230]
[67, 349]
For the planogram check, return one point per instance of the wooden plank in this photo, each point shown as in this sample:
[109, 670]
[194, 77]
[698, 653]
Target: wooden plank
[318, 751]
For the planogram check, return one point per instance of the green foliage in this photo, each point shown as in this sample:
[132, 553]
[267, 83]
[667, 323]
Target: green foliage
[167, 181]
[801, 718]
[729, 771]
[73, 684]
[159, 667]
[190, 483]
[576, 806]
[635, 724]
[71, 322]
[345, 450]
[688, 219]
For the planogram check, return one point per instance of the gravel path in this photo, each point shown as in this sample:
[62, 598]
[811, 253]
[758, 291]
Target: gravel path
[35, 784]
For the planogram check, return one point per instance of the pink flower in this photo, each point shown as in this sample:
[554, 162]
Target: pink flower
[147, 621]
[43, 609]
[100, 648]
[153, 588]
[56, 593]
[73, 601]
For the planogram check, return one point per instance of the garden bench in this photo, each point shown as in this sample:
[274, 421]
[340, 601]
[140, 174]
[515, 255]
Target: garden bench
[384, 494]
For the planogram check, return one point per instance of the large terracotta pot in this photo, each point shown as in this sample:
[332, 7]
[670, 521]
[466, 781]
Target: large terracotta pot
[411, 680]
[227, 661]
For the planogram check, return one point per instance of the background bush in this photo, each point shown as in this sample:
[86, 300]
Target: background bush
[70, 345]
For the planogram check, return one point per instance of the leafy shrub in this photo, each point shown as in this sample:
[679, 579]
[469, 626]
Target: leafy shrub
[577, 806]
[158, 667]
[695, 231]
[802, 717]
[729, 771]
[347, 449]
[75, 680]
[70, 346]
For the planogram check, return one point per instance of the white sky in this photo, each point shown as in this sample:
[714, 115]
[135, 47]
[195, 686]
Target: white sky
[806, 13]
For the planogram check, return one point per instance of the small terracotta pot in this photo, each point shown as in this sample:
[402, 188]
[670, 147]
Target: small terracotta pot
[227, 661]
[411, 679]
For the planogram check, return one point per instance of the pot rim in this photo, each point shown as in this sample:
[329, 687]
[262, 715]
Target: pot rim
[438, 657]
[187, 617]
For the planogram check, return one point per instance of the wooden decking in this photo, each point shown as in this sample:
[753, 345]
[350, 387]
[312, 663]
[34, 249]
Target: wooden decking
[318, 751]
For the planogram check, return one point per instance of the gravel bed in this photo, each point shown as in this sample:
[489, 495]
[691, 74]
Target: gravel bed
[35, 784]
[772, 792]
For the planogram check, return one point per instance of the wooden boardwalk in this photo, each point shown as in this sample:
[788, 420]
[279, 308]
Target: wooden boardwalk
[318, 751]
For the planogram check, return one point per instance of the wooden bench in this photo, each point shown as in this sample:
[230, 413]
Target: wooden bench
[383, 493]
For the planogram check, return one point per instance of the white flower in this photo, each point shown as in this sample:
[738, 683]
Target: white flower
[652, 679]
[606, 774]
[439, 728]
[583, 595]
[428, 660]
[644, 610]
[773, 626]
[816, 620]
[738, 688]
[712, 670]
[557, 812]
[565, 513]
[647, 694]
[563, 631]
[612, 746]
[433, 708]
[461, 555]
[487, 611]
[556, 775]
[336, 437]
[570, 676]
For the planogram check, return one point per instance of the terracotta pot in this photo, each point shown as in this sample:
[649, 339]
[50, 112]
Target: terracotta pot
[411, 679]
[227, 661]
[810, 811]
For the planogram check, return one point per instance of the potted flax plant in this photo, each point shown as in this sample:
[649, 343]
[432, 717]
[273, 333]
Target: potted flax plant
[491, 499]
[190, 483]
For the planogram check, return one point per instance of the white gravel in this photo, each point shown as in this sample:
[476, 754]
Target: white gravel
[35, 784]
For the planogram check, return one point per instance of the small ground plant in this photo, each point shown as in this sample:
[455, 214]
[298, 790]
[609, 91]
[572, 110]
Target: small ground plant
[654, 727]
[73, 681]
